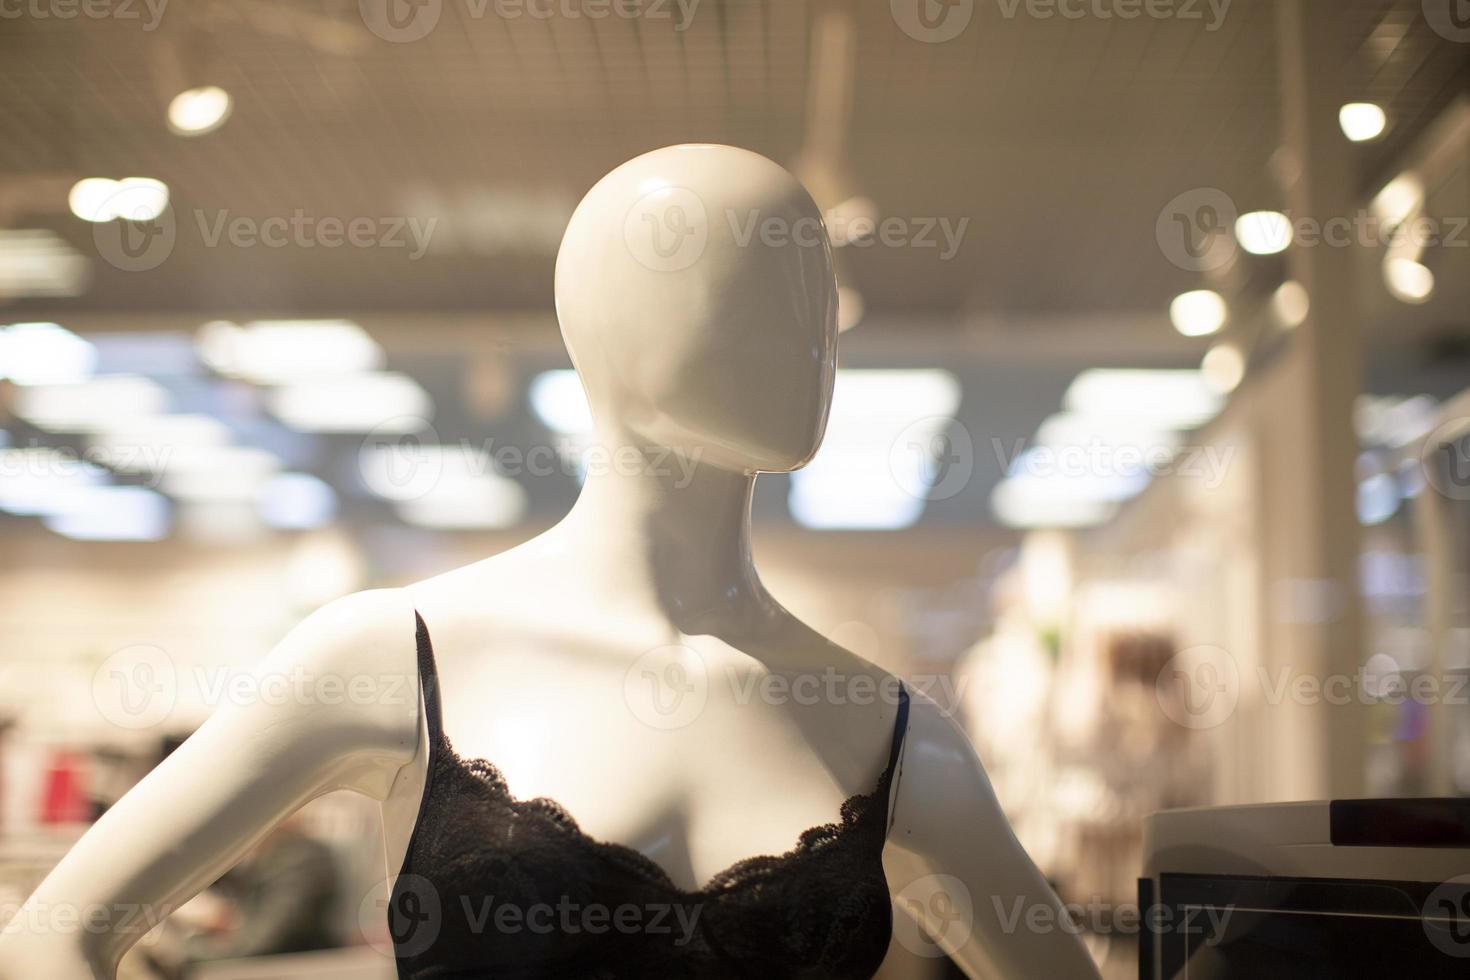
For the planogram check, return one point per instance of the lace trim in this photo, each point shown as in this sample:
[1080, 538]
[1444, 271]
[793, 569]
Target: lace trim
[853, 821]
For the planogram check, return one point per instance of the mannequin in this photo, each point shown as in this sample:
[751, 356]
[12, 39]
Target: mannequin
[691, 338]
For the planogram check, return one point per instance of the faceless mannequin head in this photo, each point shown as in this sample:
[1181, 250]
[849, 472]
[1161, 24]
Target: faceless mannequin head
[695, 292]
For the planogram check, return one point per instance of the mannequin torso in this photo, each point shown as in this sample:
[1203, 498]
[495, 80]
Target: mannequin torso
[569, 713]
[558, 660]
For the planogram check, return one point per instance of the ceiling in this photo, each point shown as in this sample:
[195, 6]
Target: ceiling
[1058, 139]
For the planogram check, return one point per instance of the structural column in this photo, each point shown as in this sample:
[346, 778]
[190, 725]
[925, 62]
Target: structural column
[1310, 566]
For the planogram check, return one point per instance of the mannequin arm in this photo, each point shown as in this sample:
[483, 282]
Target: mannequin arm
[947, 819]
[255, 761]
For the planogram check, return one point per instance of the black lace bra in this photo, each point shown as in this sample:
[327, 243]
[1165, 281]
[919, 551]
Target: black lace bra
[495, 887]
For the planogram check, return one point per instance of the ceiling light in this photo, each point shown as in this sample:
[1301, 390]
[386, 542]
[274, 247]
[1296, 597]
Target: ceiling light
[1263, 232]
[199, 110]
[1394, 421]
[1399, 200]
[147, 444]
[1290, 304]
[1361, 121]
[850, 308]
[216, 474]
[879, 460]
[371, 402]
[1068, 431]
[109, 513]
[1198, 313]
[139, 199]
[297, 502]
[1168, 399]
[853, 220]
[90, 198]
[467, 499]
[560, 402]
[1377, 499]
[92, 405]
[45, 353]
[34, 480]
[1409, 281]
[99, 199]
[1223, 368]
[38, 262]
[279, 351]
[1078, 475]
[1021, 503]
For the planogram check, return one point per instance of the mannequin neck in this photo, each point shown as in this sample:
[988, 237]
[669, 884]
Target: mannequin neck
[665, 532]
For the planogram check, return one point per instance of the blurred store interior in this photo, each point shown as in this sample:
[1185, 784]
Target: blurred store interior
[1154, 410]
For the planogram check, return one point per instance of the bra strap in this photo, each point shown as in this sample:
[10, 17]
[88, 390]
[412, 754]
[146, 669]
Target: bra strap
[900, 725]
[429, 681]
[893, 775]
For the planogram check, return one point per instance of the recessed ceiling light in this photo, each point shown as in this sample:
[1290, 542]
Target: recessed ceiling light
[99, 199]
[199, 110]
[1410, 281]
[1263, 232]
[850, 308]
[1223, 368]
[1198, 313]
[1362, 121]
[1399, 199]
[1290, 304]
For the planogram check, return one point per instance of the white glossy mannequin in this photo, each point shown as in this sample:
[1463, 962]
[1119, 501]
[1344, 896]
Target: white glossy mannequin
[724, 352]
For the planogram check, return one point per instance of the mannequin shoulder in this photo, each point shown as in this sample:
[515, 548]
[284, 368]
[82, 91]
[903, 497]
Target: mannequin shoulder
[941, 776]
[375, 630]
[353, 666]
